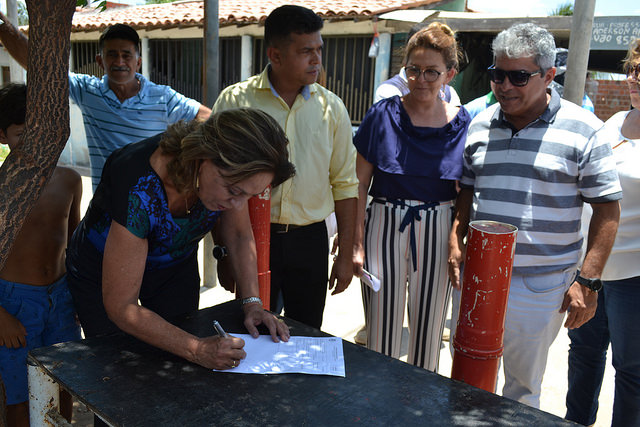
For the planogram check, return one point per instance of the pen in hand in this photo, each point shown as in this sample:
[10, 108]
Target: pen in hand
[219, 329]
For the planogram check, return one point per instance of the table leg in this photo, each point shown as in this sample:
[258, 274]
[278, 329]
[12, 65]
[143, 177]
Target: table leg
[44, 399]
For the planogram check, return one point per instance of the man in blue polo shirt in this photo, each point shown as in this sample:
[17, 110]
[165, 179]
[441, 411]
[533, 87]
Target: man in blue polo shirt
[122, 106]
[532, 160]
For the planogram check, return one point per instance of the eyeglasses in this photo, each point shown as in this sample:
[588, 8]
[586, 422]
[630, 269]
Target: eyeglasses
[634, 72]
[429, 74]
[516, 77]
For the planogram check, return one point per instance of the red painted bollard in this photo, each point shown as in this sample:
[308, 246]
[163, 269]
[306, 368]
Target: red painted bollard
[260, 216]
[483, 305]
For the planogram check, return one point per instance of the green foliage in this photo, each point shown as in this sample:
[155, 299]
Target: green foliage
[23, 16]
[565, 9]
[4, 152]
[102, 6]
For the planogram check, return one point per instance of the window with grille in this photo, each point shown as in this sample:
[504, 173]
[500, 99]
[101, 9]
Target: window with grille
[178, 63]
[349, 72]
[83, 58]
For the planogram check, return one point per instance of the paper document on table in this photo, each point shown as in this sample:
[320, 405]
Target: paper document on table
[306, 355]
[370, 280]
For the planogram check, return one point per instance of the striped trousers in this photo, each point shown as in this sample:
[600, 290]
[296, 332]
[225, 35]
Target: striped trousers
[421, 286]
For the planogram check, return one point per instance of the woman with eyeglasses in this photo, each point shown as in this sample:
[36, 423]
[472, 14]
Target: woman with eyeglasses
[132, 260]
[409, 158]
[617, 318]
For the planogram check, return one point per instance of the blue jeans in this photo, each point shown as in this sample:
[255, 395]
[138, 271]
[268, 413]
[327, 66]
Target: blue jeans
[47, 314]
[617, 320]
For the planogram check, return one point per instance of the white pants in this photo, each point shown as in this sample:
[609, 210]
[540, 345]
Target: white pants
[424, 291]
[532, 324]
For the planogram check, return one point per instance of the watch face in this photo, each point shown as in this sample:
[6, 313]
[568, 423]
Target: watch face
[596, 285]
[219, 252]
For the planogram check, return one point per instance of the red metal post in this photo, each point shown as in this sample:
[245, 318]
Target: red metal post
[260, 215]
[483, 305]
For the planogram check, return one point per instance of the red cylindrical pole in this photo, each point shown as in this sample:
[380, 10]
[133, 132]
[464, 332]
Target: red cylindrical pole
[260, 215]
[483, 305]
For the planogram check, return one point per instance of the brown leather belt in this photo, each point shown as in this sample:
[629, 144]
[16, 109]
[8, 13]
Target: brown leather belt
[284, 228]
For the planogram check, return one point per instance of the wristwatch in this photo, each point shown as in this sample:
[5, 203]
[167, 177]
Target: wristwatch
[219, 252]
[594, 284]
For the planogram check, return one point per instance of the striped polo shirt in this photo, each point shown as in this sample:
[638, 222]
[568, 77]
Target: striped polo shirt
[110, 124]
[538, 178]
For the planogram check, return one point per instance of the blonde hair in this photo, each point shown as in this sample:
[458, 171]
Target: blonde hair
[633, 56]
[439, 37]
[242, 142]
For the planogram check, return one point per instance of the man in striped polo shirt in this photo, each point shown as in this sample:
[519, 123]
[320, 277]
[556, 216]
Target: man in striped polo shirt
[121, 107]
[532, 160]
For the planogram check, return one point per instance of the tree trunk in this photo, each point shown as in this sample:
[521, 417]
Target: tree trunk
[27, 169]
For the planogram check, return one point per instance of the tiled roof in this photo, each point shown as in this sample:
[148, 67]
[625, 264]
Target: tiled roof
[231, 12]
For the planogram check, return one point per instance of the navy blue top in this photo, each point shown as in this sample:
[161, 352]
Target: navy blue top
[411, 162]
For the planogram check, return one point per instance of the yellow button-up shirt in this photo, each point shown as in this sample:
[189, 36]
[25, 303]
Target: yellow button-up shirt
[320, 147]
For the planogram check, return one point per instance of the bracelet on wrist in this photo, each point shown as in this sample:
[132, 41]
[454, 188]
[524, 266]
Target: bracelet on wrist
[251, 300]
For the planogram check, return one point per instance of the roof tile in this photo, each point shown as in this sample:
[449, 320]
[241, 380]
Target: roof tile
[231, 12]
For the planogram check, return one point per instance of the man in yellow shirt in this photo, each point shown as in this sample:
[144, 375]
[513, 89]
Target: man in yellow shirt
[320, 145]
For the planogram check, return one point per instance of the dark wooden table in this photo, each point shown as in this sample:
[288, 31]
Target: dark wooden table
[129, 383]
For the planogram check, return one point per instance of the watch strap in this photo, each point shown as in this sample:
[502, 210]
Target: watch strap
[589, 283]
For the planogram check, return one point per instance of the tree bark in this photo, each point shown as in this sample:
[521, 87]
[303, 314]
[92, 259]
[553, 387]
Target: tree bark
[27, 169]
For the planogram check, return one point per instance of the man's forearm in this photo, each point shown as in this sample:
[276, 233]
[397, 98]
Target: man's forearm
[461, 219]
[14, 41]
[346, 220]
[602, 234]
[361, 207]
[456, 237]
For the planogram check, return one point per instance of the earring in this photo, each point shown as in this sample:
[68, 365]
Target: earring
[197, 176]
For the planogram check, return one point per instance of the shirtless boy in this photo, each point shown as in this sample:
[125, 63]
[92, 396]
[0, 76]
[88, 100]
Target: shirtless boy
[35, 305]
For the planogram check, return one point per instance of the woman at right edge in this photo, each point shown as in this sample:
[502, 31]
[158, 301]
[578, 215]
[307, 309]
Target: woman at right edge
[410, 151]
[617, 318]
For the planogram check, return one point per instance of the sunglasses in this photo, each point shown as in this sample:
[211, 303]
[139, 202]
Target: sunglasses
[516, 77]
[429, 75]
[634, 72]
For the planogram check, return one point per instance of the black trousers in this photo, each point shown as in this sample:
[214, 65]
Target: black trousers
[299, 263]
